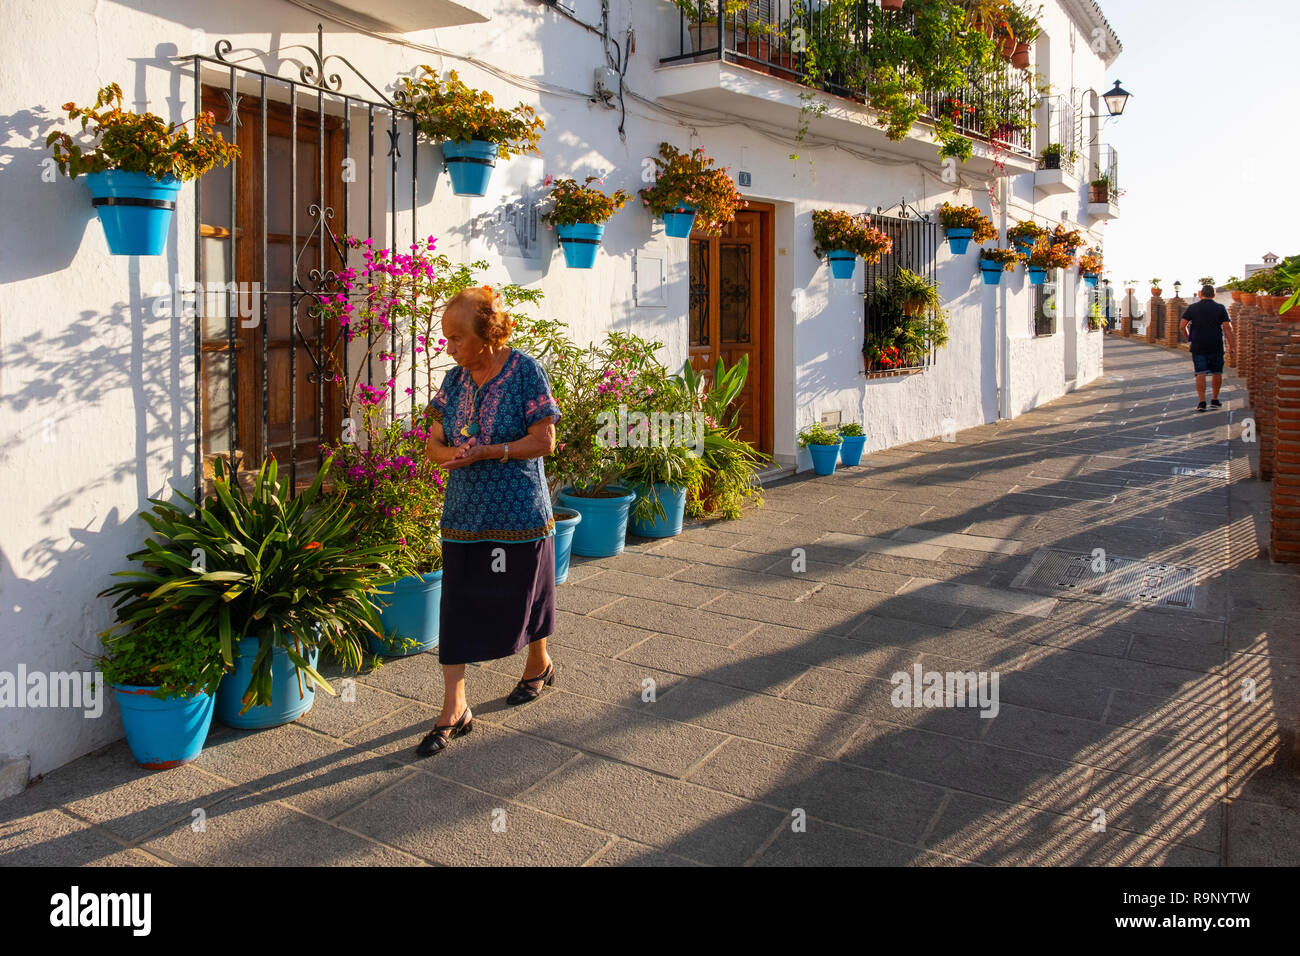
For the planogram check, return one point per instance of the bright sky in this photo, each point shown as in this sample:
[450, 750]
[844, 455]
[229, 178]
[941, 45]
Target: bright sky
[1209, 151]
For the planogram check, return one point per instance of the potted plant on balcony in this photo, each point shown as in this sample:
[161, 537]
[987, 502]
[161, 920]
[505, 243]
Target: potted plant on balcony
[824, 446]
[841, 238]
[277, 576]
[579, 214]
[135, 167]
[1091, 266]
[1024, 234]
[1100, 189]
[854, 441]
[472, 131]
[164, 678]
[1024, 23]
[994, 262]
[691, 193]
[964, 224]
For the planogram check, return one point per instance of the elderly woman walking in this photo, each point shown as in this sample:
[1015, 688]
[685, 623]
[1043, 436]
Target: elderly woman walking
[493, 422]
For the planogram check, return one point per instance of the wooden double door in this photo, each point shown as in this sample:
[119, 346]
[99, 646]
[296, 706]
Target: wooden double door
[731, 312]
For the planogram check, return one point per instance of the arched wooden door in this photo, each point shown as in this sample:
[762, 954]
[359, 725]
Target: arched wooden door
[731, 312]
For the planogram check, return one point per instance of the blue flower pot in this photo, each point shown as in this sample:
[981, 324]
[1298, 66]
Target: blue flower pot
[959, 240]
[470, 165]
[1037, 276]
[286, 704]
[603, 528]
[843, 264]
[992, 272]
[566, 520]
[851, 450]
[1091, 280]
[824, 457]
[409, 614]
[580, 243]
[135, 208]
[163, 733]
[679, 223]
[1024, 248]
[673, 499]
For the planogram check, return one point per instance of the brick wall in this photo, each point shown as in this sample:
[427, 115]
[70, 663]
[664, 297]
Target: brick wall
[1234, 313]
[1285, 533]
[1173, 321]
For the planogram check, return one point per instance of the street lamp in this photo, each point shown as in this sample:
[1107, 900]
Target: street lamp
[1178, 290]
[1117, 99]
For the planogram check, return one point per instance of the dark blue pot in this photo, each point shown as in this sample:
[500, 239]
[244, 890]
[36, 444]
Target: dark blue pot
[580, 243]
[1037, 276]
[1091, 279]
[603, 529]
[673, 499]
[409, 614]
[470, 165]
[163, 733]
[679, 223]
[843, 264]
[566, 520]
[135, 208]
[824, 457]
[992, 272]
[286, 704]
[959, 240]
[1024, 248]
[851, 450]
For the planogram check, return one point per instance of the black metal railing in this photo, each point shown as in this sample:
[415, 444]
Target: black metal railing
[1064, 129]
[1157, 316]
[916, 246]
[1107, 168]
[774, 36]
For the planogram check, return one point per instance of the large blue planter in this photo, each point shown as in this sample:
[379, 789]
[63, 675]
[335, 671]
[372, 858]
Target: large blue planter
[163, 733]
[135, 208]
[673, 499]
[408, 612]
[992, 272]
[566, 520]
[285, 704]
[959, 240]
[603, 528]
[843, 264]
[470, 165]
[679, 222]
[851, 450]
[1037, 276]
[824, 457]
[1091, 279]
[580, 243]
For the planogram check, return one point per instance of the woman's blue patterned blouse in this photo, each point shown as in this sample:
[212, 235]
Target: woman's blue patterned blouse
[495, 500]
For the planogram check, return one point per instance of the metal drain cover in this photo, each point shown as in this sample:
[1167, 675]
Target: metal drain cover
[1124, 580]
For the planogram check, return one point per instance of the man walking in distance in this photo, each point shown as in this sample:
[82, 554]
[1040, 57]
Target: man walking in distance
[1204, 324]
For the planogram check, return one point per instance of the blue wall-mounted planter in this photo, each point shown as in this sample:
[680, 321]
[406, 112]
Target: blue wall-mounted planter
[566, 520]
[409, 614]
[679, 223]
[1037, 276]
[992, 272]
[959, 240]
[470, 165]
[1024, 248]
[603, 529]
[135, 208]
[843, 264]
[580, 243]
[163, 733]
[1091, 279]
[286, 704]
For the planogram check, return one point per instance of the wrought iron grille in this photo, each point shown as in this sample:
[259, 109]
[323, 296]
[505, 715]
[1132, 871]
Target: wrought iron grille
[1064, 128]
[1044, 308]
[318, 164]
[916, 245]
[1157, 316]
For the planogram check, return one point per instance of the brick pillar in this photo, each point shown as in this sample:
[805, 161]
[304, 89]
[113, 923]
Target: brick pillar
[1126, 314]
[1234, 313]
[1270, 338]
[1285, 532]
[1246, 340]
[1175, 307]
[1152, 304]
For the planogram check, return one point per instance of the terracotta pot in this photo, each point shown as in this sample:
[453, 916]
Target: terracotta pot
[1009, 47]
[1020, 58]
[891, 4]
[1098, 194]
[1236, 296]
[1156, 292]
[911, 309]
[1248, 298]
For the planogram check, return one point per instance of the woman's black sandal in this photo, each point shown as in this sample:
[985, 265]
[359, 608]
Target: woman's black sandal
[436, 740]
[523, 693]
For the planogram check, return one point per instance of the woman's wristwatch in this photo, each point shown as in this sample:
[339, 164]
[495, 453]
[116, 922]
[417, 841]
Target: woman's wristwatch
[505, 454]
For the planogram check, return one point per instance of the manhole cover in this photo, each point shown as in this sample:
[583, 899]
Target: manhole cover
[1111, 578]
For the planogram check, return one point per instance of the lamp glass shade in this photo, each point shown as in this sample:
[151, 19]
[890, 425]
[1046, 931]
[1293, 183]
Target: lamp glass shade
[1117, 100]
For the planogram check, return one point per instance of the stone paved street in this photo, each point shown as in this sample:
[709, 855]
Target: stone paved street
[772, 687]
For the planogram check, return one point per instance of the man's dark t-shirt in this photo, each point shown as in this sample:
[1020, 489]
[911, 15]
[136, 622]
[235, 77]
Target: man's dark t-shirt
[1205, 320]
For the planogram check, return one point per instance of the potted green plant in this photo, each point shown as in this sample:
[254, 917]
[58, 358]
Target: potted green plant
[842, 238]
[917, 293]
[1156, 290]
[691, 193]
[473, 132]
[1024, 234]
[579, 214]
[854, 441]
[164, 678]
[964, 224]
[824, 446]
[1024, 23]
[1100, 189]
[729, 465]
[135, 167]
[277, 576]
[994, 262]
[1091, 266]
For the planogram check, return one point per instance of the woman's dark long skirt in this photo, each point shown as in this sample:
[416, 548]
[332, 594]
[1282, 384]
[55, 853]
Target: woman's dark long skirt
[494, 606]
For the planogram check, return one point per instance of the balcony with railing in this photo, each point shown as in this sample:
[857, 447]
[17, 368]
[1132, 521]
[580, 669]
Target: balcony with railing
[1059, 163]
[1103, 188]
[761, 62]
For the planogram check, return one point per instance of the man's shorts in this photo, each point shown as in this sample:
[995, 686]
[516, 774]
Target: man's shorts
[1213, 364]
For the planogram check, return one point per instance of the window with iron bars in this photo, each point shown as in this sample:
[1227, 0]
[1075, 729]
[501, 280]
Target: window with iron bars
[916, 244]
[1044, 308]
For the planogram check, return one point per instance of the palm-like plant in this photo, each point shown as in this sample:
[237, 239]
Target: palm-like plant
[265, 564]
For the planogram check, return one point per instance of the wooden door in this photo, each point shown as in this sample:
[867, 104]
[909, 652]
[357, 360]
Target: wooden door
[730, 312]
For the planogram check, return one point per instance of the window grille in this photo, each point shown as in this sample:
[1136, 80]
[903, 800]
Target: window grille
[1045, 308]
[916, 243]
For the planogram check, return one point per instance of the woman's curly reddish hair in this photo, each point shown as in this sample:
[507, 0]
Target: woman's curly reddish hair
[482, 306]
